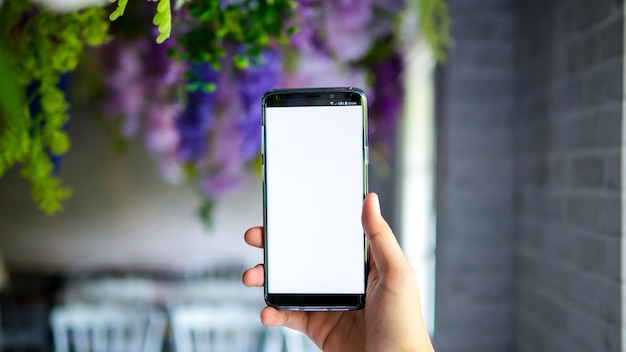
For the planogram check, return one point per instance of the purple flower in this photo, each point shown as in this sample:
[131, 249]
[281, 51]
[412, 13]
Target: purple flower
[140, 78]
[386, 104]
[170, 168]
[161, 134]
[218, 185]
[127, 86]
[226, 165]
[253, 83]
[346, 27]
[317, 69]
[197, 118]
[163, 69]
[308, 13]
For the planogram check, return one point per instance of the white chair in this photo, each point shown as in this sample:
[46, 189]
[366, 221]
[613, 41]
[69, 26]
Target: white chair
[220, 328]
[101, 328]
[281, 339]
[130, 290]
[210, 292]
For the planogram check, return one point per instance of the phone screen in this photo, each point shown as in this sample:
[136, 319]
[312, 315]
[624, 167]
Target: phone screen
[315, 180]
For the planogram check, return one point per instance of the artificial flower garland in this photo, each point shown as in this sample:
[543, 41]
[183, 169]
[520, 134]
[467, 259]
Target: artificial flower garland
[190, 87]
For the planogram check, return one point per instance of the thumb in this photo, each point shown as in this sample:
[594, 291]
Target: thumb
[383, 244]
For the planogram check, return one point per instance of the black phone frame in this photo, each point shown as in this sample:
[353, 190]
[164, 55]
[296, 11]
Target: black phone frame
[315, 97]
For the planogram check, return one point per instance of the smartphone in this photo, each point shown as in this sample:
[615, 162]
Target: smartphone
[314, 157]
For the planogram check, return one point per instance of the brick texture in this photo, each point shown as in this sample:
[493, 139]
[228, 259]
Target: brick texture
[529, 128]
[568, 207]
[475, 119]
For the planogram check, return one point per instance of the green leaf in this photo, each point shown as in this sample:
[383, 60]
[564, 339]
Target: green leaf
[222, 32]
[434, 22]
[158, 18]
[257, 165]
[163, 19]
[293, 30]
[162, 37]
[11, 96]
[60, 143]
[44, 46]
[241, 62]
[204, 213]
[208, 87]
[119, 11]
[163, 6]
[193, 86]
[165, 26]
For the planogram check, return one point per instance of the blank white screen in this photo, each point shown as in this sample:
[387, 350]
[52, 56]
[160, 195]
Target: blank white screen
[314, 179]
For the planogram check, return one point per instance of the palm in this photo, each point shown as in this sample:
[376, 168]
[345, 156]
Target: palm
[392, 317]
[337, 331]
[342, 331]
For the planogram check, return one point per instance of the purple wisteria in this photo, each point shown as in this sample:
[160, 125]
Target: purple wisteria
[253, 83]
[198, 116]
[204, 125]
[346, 28]
[387, 100]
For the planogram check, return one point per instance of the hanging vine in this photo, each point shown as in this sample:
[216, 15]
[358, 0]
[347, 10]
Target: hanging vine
[40, 47]
[222, 55]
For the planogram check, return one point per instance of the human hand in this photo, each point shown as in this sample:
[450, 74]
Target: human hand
[392, 318]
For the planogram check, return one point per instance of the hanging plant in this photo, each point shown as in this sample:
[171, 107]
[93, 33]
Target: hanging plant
[188, 82]
[41, 46]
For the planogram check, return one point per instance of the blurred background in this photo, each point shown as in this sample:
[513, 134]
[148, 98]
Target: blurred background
[497, 156]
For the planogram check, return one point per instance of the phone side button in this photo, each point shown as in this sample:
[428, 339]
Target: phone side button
[262, 173]
[367, 155]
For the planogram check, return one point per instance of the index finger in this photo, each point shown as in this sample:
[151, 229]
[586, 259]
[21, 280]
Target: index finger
[254, 236]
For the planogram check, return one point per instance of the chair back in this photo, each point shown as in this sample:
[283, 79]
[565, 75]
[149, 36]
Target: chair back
[282, 339]
[222, 328]
[103, 328]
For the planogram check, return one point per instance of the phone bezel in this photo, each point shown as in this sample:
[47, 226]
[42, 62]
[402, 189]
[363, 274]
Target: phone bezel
[315, 97]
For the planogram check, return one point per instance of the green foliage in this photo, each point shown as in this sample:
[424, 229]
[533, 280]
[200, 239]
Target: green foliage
[42, 46]
[434, 21]
[119, 11]
[251, 23]
[205, 211]
[11, 99]
[163, 19]
[212, 26]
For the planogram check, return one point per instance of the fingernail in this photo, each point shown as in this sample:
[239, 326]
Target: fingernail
[376, 202]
